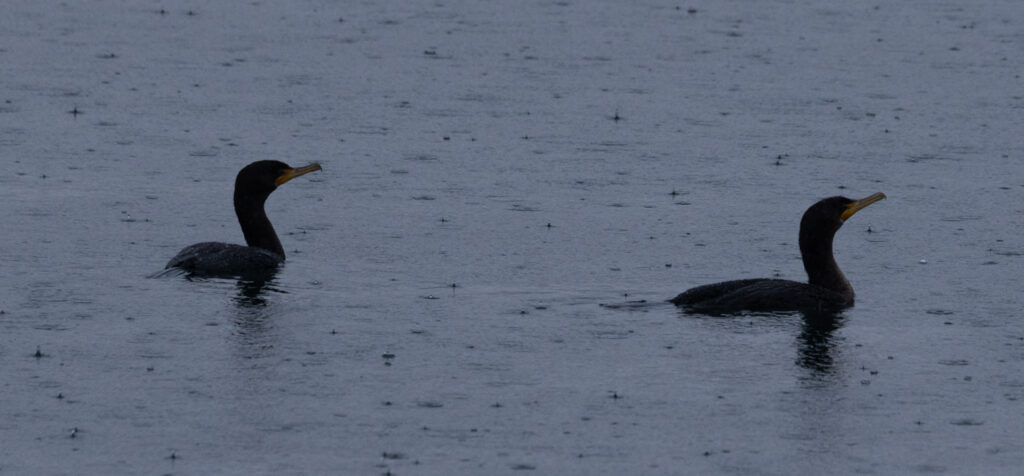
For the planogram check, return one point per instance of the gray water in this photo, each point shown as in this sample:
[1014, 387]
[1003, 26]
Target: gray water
[502, 182]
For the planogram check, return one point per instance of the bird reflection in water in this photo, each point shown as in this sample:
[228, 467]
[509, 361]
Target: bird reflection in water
[816, 342]
[253, 290]
[253, 323]
[254, 311]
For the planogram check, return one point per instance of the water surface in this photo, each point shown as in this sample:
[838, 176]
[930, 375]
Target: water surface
[499, 182]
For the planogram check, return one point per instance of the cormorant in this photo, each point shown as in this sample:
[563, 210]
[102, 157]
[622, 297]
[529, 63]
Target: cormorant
[255, 182]
[826, 290]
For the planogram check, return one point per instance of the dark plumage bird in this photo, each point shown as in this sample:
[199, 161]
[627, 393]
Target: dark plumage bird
[826, 290]
[255, 182]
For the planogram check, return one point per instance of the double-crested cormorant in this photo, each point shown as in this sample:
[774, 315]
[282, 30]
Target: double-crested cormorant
[826, 290]
[255, 182]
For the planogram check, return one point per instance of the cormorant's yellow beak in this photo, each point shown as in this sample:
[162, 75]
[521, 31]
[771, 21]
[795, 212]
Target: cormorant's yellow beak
[859, 204]
[289, 174]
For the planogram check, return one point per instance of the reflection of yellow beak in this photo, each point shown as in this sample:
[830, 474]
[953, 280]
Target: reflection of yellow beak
[289, 174]
[859, 204]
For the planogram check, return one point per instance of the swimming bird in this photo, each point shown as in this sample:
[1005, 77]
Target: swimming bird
[826, 289]
[254, 183]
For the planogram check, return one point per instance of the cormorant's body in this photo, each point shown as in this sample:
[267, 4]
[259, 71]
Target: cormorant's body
[225, 259]
[826, 290]
[264, 253]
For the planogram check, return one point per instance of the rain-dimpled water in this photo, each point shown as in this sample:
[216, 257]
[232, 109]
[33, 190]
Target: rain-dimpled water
[476, 281]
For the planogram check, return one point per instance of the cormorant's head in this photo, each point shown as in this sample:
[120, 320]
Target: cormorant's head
[830, 214]
[263, 177]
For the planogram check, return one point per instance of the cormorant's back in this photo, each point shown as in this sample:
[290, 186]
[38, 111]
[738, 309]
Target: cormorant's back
[225, 259]
[761, 295]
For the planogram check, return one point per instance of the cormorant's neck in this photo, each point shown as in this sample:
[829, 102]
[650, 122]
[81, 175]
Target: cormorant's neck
[258, 231]
[820, 264]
